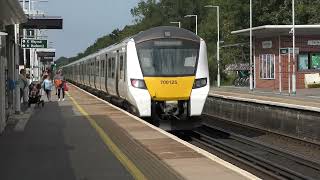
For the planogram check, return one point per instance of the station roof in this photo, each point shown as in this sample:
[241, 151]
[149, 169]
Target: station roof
[11, 12]
[276, 30]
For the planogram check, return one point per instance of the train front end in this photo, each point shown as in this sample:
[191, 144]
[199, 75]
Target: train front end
[174, 65]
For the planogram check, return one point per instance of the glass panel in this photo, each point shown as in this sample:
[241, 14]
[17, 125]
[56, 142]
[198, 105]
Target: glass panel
[168, 57]
[268, 66]
[303, 61]
[113, 67]
[109, 68]
[261, 66]
[272, 66]
[121, 67]
[315, 61]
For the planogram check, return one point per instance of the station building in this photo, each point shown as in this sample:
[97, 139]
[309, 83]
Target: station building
[11, 15]
[273, 56]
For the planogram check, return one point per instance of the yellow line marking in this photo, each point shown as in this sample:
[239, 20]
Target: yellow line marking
[125, 161]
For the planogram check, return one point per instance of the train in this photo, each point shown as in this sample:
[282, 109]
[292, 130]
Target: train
[160, 73]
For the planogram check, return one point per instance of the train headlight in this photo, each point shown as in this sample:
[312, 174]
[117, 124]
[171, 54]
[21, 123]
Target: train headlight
[199, 83]
[138, 83]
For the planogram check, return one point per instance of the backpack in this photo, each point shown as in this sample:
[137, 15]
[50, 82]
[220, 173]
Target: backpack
[57, 82]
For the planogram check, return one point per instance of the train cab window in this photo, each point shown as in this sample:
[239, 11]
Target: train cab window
[168, 57]
[121, 67]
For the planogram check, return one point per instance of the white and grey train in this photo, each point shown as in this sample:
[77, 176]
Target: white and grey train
[159, 73]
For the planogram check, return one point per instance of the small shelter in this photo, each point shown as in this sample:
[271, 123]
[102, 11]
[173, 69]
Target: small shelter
[273, 56]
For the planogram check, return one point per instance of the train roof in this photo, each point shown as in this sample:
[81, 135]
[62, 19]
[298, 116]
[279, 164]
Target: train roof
[150, 34]
[166, 32]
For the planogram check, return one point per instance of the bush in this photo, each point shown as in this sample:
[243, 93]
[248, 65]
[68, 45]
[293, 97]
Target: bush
[314, 86]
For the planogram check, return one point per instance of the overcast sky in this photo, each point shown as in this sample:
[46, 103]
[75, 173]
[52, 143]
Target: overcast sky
[84, 21]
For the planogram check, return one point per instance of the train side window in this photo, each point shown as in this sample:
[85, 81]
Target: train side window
[106, 65]
[93, 68]
[97, 67]
[124, 67]
[109, 68]
[113, 68]
[102, 68]
[121, 67]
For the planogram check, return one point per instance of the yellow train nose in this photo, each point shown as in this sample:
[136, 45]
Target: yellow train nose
[169, 88]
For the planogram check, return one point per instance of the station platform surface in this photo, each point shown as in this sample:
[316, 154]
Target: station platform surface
[85, 138]
[304, 99]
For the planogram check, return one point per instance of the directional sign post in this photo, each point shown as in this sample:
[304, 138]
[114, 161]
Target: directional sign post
[34, 43]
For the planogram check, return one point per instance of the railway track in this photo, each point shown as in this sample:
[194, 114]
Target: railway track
[271, 161]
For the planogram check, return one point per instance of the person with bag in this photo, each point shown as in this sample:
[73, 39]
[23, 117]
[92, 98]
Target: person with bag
[61, 85]
[47, 86]
[57, 81]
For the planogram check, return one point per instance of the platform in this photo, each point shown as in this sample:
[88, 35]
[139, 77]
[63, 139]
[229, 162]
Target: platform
[305, 99]
[87, 138]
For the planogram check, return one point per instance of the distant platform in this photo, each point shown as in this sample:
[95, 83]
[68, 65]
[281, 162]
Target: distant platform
[304, 99]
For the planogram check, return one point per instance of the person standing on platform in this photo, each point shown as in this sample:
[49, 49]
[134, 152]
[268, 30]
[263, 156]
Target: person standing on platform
[22, 83]
[56, 81]
[60, 85]
[47, 86]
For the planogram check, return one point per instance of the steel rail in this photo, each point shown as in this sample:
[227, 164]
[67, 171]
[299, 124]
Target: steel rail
[255, 161]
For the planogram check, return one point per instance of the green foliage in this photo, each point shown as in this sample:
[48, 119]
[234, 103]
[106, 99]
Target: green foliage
[234, 15]
[314, 86]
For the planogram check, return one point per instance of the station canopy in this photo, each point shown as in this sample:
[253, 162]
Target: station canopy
[11, 12]
[276, 30]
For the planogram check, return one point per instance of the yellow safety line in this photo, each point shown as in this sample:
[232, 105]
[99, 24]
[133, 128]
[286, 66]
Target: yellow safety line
[125, 161]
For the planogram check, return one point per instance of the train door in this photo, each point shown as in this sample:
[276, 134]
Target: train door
[90, 73]
[100, 72]
[112, 75]
[95, 69]
[84, 72]
[117, 68]
[106, 73]
[121, 75]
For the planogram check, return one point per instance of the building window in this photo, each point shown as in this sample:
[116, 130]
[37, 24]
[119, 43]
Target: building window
[315, 61]
[303, 61]
[309, 61]
[267, 66]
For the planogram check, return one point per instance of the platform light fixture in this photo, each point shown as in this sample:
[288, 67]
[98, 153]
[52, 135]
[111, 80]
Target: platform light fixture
[196, 16]
[251, 70]
[218, 42]
[293, 50]
[176, 22]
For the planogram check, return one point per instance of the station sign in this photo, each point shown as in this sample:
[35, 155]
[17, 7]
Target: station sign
[46, 59]
[266, 44]
[284, 51]
[34, 43]
[46, 54]
[30, 33]
[43, 22]
[314, 43]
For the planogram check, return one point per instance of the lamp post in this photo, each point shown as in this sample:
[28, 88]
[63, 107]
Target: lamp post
[176, 22]
[293, 50]
[251, 76]
[192, 15]
[218, 42]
